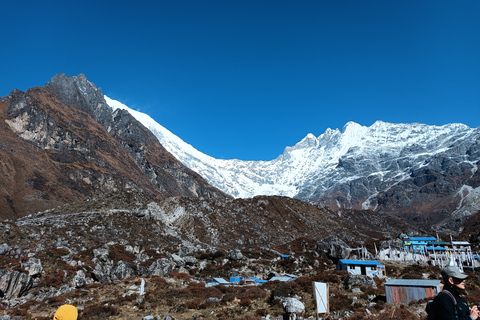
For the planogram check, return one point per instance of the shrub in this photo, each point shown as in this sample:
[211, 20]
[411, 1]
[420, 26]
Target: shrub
[94, 285]
[228, 297]
[398, 313]
[338, 300]
[193, 304]
[252, 293]
[57, 301]
[214, 271]
[244, 302]
[118, 252]
[280, 289]
[219, 254]
[55, 279]
[261, 312]
[249, 317]
[99, 312]
[56, 253]
[180, 276]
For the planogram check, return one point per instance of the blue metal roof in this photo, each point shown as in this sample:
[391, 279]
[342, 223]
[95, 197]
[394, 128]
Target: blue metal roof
[421, 238]
[360, 262]
[436, 248]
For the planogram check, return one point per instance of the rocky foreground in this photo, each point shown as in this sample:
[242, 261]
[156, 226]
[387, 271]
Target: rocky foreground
[94, 255]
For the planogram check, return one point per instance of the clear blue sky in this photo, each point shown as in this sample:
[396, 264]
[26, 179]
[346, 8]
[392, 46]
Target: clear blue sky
[244, 79]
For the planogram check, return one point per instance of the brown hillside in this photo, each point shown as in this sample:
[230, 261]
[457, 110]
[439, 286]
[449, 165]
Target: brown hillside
[52, 153]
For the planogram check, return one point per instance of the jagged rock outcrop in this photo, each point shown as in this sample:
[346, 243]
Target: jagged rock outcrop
[101, 272]
[14, 284]
[121, 270]
[334, 247]
[161, 267]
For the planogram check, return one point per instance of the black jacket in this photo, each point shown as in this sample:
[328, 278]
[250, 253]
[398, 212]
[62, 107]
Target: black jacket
[444, 308]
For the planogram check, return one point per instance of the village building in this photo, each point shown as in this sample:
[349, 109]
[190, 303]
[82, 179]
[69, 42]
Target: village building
[361, 267]
[417, 243]
[406, 290]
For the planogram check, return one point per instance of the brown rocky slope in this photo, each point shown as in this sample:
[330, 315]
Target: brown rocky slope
[93, 252]
[62, 142]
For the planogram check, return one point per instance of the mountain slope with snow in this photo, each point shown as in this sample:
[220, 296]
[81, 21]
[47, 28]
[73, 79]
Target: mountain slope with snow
[391, 168]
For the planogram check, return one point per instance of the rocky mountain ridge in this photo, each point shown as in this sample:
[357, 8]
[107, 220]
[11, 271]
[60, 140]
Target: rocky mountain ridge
[423, 173]
[62, 142]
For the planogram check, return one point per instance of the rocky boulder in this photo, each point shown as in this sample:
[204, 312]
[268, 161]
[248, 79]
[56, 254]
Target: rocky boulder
[334, 247]
[161, 267]
[235, 255]
[359, 280]
[33, 266]
[179, 261]
[292, 305]
[79, 280]
[101, 253]
[4, 249]
[121, 270]
[101, 272]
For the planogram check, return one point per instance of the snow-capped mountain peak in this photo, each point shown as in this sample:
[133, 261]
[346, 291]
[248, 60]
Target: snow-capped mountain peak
[356, 167]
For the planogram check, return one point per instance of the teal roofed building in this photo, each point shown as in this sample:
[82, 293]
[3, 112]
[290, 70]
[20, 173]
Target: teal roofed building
[418, 243]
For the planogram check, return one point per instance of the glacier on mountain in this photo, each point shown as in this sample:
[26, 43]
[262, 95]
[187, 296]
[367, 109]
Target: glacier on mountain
[353, 166]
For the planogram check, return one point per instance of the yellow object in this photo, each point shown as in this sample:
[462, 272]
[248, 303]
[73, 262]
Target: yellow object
[66, 312]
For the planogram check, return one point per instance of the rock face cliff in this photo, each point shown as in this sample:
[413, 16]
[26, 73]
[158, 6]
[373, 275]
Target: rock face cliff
[62, 142]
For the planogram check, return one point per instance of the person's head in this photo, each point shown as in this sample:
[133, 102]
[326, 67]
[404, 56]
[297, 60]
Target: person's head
[453, 277]
[66, 312]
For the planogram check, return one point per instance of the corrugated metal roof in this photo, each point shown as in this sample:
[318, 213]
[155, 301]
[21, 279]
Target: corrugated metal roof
[283, 279]
[220, 280]
[461, 242]
[413, 282]
[360, 262]
[421, 238]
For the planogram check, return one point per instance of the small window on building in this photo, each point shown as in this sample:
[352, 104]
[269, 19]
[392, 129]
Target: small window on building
[351, 267]
[373, 268]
